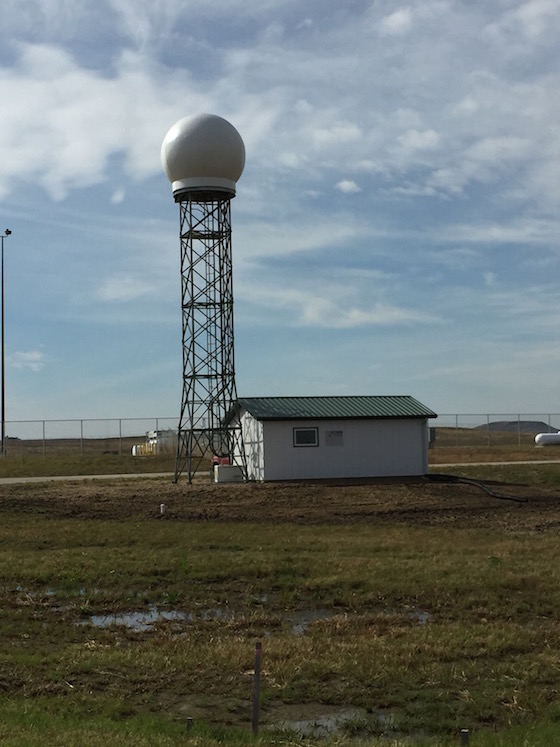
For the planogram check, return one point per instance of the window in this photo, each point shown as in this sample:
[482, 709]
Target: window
[306, 437]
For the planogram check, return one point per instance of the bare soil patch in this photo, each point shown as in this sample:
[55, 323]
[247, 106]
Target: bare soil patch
[421, 504]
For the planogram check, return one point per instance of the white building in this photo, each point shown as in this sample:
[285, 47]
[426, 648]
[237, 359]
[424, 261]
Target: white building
[315, 438]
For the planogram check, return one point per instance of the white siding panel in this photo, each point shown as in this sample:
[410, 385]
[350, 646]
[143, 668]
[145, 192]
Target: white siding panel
[347, 449]
[253, 441]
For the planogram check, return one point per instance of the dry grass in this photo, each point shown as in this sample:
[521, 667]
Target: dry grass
[437, 605]
[478, 454]
[408, 609]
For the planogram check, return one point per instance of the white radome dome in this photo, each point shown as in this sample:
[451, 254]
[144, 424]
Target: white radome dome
[204, 153]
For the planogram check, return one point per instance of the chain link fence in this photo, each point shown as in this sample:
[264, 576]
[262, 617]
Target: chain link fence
[94, 437]
[473, 430]
[90, 437]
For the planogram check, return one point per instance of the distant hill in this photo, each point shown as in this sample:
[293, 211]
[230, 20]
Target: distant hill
[517, 426]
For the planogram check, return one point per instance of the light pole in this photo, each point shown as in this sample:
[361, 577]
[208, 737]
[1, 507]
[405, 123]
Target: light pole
[3, 434]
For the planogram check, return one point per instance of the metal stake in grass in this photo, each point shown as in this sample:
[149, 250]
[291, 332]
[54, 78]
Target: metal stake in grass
[257, 688]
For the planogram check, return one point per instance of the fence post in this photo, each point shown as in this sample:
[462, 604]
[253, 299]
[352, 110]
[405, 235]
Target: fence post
[44, 440]
[464, 736]
[120, 436]
[81, 437]
[257, 688]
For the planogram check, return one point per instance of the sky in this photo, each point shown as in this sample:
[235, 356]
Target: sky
[396, 229]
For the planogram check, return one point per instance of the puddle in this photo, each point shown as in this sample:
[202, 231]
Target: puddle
[146, 619]
[420, 616]
[35, 594]
[139, 621]
[298, 622]
[301, 620]
[48, 592]
[322, 725]
[386, 718]
[323, 722]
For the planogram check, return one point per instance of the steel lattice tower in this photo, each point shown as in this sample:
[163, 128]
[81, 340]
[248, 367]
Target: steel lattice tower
[204, 157]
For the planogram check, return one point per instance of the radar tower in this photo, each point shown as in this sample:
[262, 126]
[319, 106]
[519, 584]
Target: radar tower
[203, 157]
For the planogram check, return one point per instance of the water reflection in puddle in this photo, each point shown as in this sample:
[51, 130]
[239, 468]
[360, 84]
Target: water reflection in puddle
[139, 621]
[323, 722]
[299, 621]
[322, 725]
[146, 619]
[419, 615]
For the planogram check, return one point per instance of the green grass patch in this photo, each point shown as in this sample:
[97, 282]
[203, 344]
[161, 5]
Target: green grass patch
[441, 627]
[69, 465]
[546, 475]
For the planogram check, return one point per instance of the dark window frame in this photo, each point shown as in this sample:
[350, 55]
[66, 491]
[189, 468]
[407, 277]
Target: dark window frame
[307, 429]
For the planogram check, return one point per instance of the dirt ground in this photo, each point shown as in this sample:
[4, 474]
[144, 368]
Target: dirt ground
[421, 503]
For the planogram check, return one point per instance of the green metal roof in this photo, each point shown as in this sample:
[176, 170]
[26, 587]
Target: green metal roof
[324, 408]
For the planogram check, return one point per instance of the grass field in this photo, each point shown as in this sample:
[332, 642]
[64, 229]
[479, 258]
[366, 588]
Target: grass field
[90, 456]
[388, 615]
[69, 464]
[18, 465]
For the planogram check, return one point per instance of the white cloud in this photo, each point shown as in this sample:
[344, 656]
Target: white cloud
[514, 231]
[414, 190]
[338, 133]
[534, 21]
[495, 150]
[65, 122]
[348, 186]
[311, 232]
[118, 196]
[413, 140]
[321, 312]
[397, 23]
[291, 103]
[443, 114]
[537, 15]
[34, 360]
[335, 307]
[142, 21]
[124, 288]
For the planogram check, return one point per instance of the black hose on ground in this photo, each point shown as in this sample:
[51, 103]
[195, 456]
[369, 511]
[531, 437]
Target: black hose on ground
[434, 477]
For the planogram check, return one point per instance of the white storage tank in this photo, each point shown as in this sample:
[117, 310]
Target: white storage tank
[547, 439]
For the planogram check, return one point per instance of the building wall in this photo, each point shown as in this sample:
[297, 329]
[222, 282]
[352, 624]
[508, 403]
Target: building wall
[346, 449]
[253, 441]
